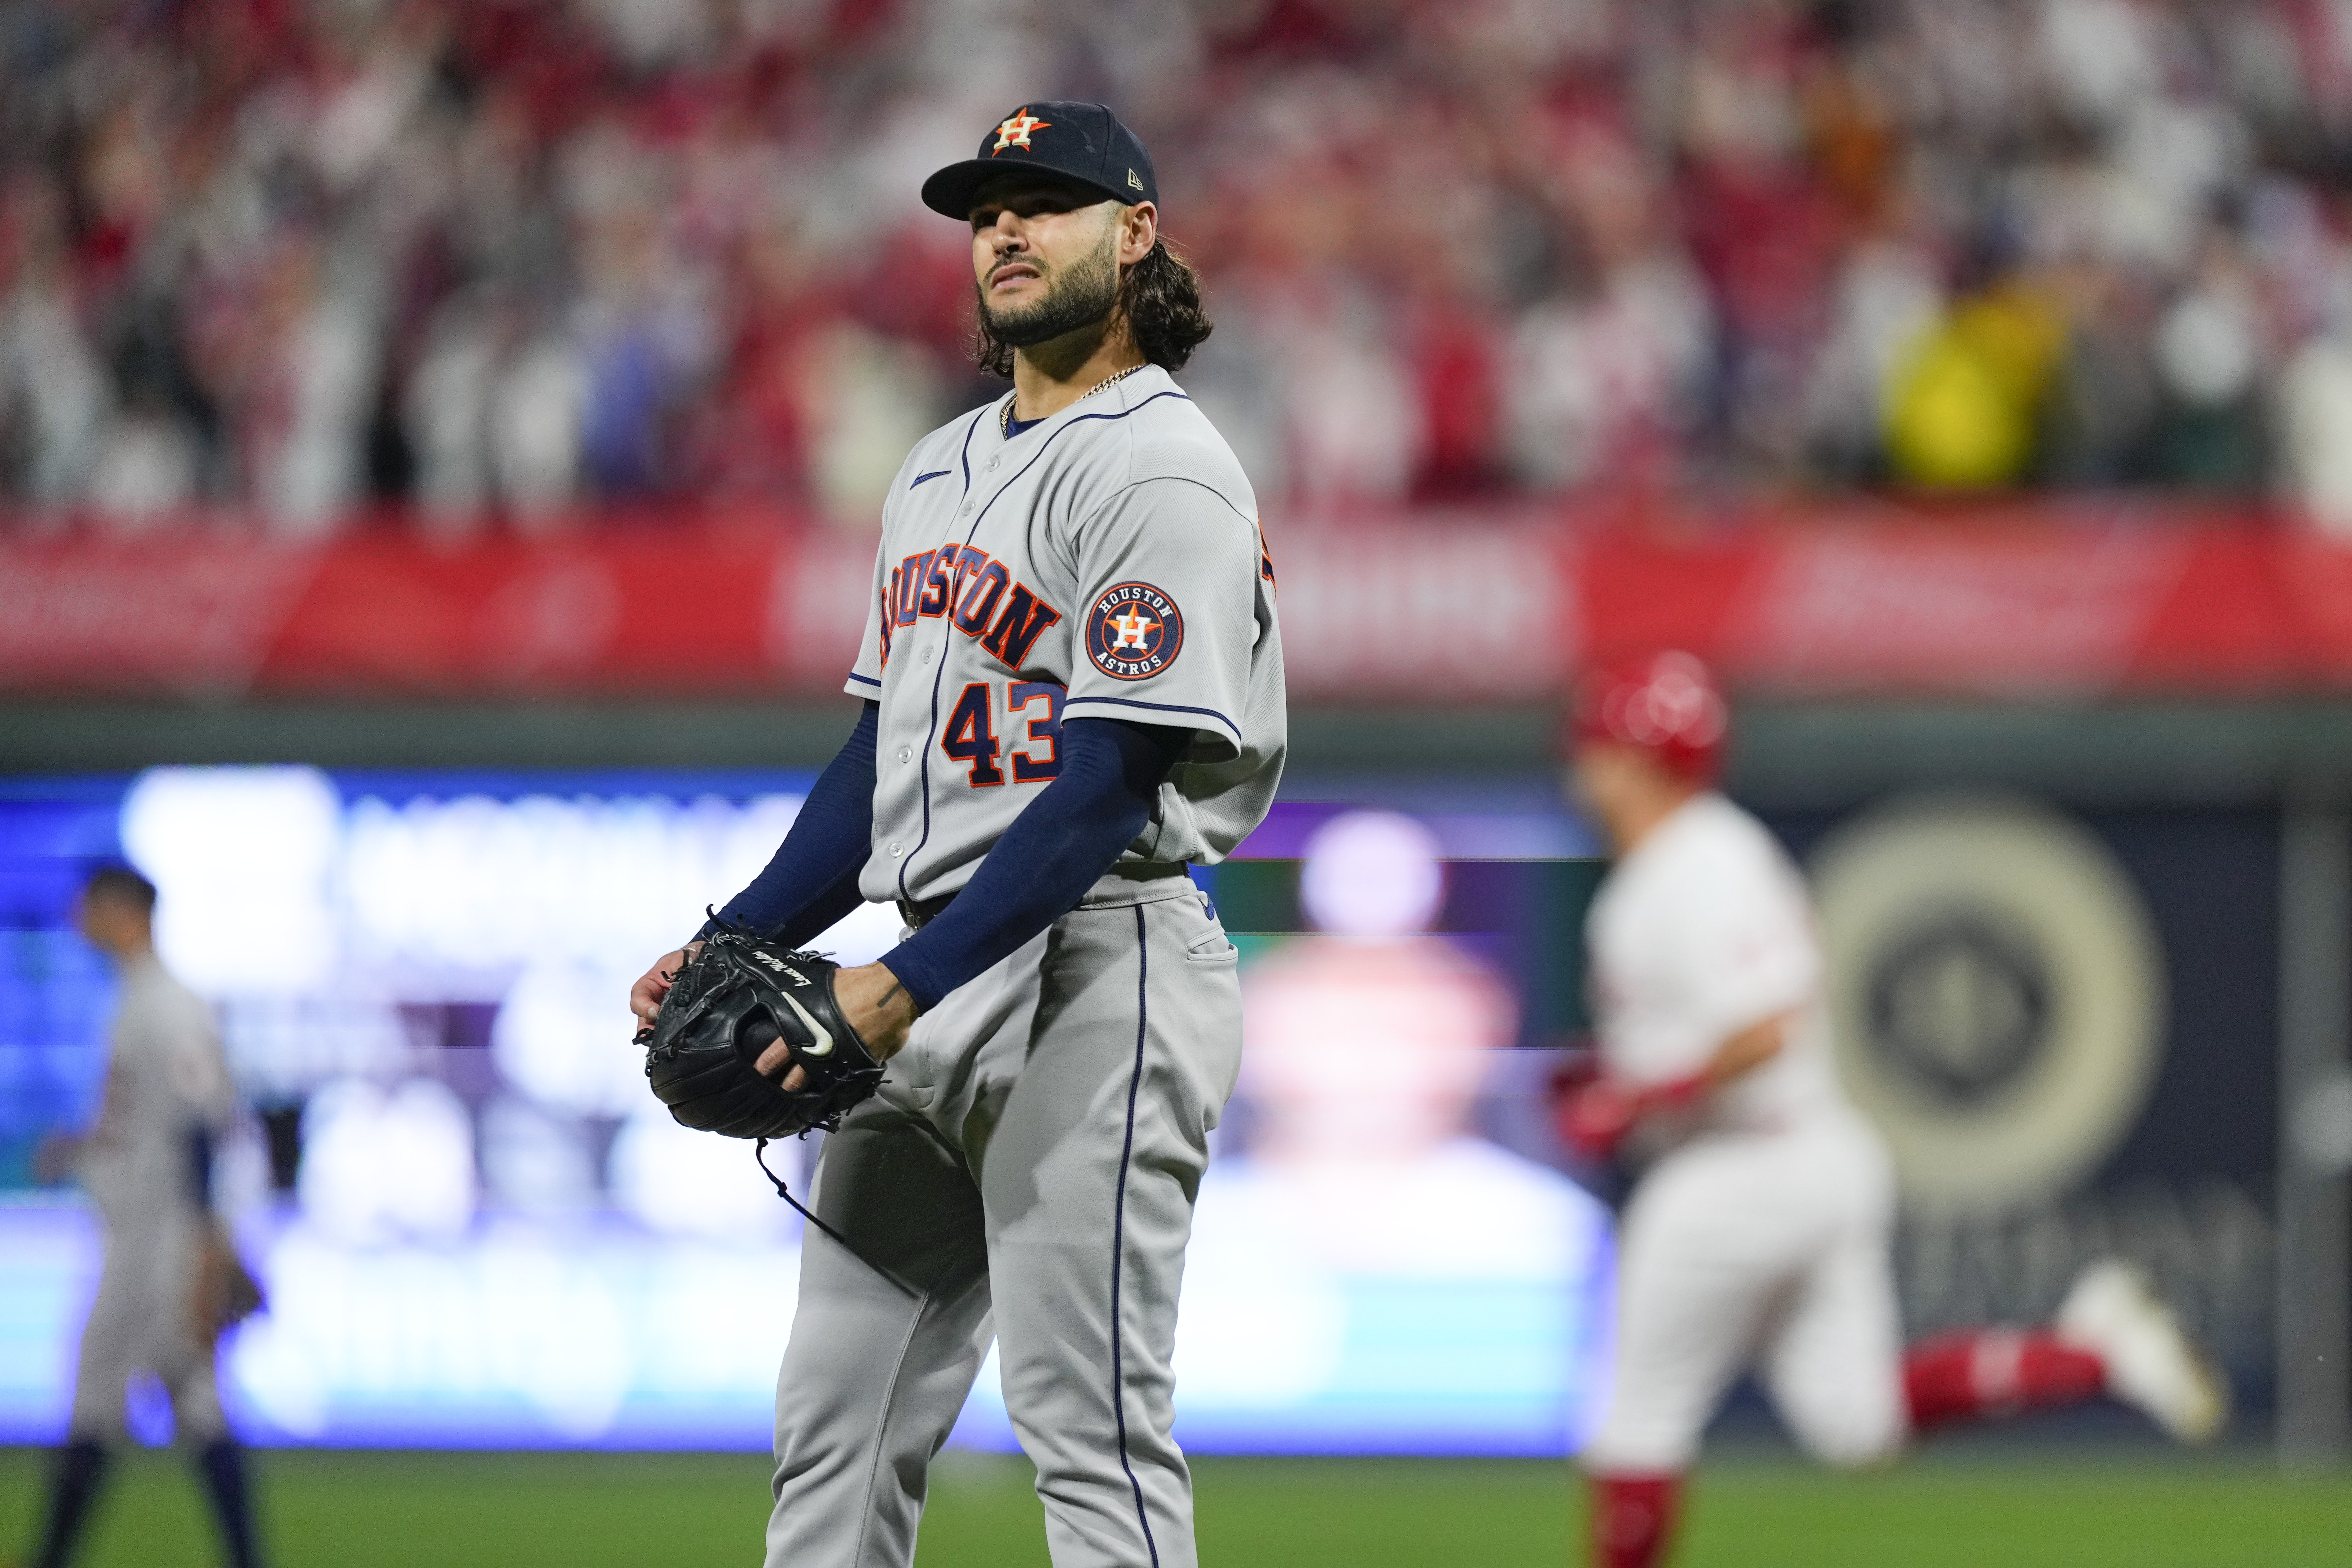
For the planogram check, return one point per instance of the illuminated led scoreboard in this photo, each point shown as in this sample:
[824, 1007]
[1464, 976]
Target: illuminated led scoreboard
[477, 1228]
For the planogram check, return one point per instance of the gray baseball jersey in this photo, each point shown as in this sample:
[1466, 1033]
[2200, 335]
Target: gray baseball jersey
[1105, 562]
[165, 1079]
[1027, 1171]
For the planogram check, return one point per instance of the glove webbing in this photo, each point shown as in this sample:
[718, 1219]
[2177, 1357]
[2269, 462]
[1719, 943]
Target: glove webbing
[759, 1153]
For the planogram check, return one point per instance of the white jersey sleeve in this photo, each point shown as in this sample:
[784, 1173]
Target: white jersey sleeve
[1705, 929]
[1750, 946]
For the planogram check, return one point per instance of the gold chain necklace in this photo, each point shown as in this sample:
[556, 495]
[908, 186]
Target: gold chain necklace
[1004, 419]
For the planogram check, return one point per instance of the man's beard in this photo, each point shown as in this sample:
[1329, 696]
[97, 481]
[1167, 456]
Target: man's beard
[1080, 297]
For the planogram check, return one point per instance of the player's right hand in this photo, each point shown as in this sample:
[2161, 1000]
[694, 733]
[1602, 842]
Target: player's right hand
[646, 996]
[1595, 1117]
[54, 1157]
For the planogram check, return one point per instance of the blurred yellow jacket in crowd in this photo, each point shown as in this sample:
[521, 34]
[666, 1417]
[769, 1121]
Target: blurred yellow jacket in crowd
[1964, 400]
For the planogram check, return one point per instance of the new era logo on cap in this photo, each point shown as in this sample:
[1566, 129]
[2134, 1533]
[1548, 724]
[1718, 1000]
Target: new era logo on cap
[1083, 143]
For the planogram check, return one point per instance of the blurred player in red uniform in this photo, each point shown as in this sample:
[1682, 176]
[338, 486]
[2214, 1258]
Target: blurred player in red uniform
[1759, 1227]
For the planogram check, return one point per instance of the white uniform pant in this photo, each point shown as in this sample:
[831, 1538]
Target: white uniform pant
[1028, 1170]
[139, 1322]
[1758, 1248]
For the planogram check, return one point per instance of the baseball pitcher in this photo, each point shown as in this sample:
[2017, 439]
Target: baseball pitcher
[1073, 687]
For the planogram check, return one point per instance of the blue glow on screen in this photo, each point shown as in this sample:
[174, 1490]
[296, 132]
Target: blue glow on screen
[478, 1231]
[54, 992]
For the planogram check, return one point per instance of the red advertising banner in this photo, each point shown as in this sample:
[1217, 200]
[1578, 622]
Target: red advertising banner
[2021, 604]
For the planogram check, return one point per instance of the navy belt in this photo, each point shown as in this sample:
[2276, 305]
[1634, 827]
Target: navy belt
[917, 912]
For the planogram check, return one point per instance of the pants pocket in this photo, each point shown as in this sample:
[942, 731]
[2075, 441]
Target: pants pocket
[1214, 948]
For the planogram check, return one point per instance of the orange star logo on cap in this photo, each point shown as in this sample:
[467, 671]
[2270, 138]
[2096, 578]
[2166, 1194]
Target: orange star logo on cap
[1014, 133]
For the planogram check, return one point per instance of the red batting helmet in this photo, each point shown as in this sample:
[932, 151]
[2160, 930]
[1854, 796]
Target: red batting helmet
[1668, 704]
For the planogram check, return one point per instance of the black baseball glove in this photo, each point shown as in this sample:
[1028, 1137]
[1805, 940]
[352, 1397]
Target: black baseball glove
[728, 1004]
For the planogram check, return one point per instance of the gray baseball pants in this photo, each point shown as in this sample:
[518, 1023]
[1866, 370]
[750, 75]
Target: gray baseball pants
[139, 1322]
[1027, 1171]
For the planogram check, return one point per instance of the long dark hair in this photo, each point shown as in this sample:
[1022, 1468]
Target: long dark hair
[1161, 299]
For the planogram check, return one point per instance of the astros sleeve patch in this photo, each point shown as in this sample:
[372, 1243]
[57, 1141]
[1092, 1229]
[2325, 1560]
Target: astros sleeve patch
[1134, 630]
[1168, 578]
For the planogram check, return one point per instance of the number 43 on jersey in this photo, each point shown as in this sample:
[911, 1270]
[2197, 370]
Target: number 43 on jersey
[1031, 714]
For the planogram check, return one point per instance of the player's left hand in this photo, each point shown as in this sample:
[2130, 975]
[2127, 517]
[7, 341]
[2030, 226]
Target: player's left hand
[875, 1004]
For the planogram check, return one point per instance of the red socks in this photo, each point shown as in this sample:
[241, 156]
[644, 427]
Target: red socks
[1632, 1519]
[1978, 1372]
[1962, 1377]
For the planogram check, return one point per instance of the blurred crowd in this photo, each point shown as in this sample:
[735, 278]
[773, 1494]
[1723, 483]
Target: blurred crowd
[489, 262]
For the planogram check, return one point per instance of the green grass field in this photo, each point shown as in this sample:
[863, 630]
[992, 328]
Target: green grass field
[2016, 1509]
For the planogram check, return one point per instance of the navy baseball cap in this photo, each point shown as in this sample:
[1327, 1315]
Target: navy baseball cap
[1081, 143]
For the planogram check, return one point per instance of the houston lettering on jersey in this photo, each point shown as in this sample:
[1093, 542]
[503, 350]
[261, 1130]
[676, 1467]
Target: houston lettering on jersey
[977, 593]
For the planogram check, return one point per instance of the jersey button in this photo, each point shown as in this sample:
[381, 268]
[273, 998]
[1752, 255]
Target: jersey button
[927, 655]
[992, 462]
[898, 850]
[905, 754]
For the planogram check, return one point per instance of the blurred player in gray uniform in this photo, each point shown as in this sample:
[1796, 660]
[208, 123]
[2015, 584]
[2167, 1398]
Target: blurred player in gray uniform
[146, 1164]
[1073, 686]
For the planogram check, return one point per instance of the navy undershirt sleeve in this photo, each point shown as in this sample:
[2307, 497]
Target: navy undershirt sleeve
[1056, 850]
[812, 881]
[199, 1150]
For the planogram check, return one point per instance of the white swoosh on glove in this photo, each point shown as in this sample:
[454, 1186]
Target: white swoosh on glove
[822, 1044]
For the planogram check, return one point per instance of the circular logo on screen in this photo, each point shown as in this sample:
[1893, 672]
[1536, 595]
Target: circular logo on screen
[1997, 989]
[1134, 631]
[1959, 1007]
